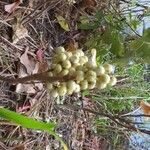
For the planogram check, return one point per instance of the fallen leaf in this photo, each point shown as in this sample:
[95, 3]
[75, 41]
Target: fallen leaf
[40, 55]
[36, 97]
[28, 88]
[89, 3]
[63, 23]
[19, 32]
[29, 66]
[28, 63]
[42, 64]
[145, 107]
[72, 46]
[19, 147]
[12, 7]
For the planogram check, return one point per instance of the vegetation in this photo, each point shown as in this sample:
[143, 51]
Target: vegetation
[56, 75]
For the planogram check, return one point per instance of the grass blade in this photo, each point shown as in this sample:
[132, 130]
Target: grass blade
[26, 122]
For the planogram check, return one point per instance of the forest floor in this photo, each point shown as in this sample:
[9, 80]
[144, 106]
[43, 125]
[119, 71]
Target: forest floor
[29, 34]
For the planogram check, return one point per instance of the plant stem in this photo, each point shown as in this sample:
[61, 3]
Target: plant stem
[43, 77]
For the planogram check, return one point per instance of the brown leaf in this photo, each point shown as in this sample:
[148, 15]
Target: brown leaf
[40, 55]
[28, 88]
[145, 107]
[12, 7]
[72, 45]
[19, 147]
[90, 3]
[28, 63]
[30, 66]
[42, 65]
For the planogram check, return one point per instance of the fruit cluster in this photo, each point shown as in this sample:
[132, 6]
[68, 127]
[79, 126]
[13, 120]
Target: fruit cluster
[85, 70]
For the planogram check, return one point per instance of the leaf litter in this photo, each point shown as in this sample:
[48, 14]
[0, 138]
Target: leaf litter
[32, 61]
[29, 66]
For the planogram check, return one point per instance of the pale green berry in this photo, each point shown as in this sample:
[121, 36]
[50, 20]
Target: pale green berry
[76, 65]
[62, 90]
[56, 83]
[76, 53]
[79, 68]
[54, 93]
[84, 85]
[64, 72]
[49, 86]
[57, 69]
[66, 64]
[83, 60]
[52, 66]
[90, 65]
[91, 78]
[101, 85]
[81, 52]
[91, 85]
[71, 85]
[74, 59]
[68, 54]
[91, 73]
[100, 70]
[50, 74]
[61, 57]
[77, 89]
[113, 81]
[109, 68]
[60, 49]
[104, 78]
[85, 69]
[79, 75]
[72, 71]
[69, 91]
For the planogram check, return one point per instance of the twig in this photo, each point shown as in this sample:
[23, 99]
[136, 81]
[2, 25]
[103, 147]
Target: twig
[9, 44]
[140, 115]
[25, 21]
[137, 4]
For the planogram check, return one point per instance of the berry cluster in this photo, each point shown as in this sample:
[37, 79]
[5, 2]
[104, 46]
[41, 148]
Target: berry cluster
[87, 74]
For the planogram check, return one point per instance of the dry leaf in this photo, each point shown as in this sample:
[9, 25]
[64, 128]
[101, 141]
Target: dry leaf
[19, 147]
[40, 55]
[28, 88]
[145, 107]
[42, 65]
[90, 3]
[12, 7]
[72, 46]
[28, 63]
[19, 32]
[32, 67]
[63, 23]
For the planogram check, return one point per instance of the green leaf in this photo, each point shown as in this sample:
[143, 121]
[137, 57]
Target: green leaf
[88, 26]
[91, 24]
[113, 37]
[63, 23]
[141, 46]
[25, 121]
[30, 123]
